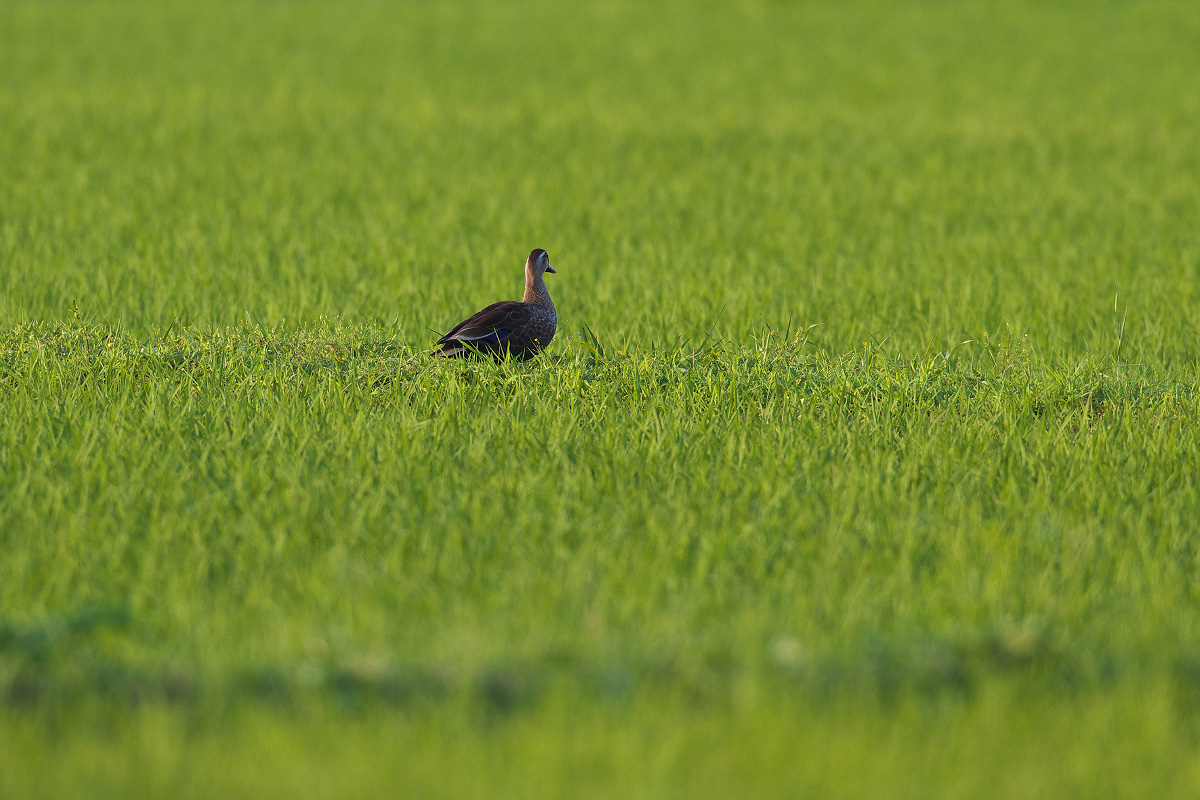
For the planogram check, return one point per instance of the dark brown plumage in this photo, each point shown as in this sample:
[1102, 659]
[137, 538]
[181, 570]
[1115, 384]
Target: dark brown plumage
[520, 329]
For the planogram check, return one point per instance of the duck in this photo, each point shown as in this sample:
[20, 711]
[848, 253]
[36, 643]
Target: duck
[519, 330]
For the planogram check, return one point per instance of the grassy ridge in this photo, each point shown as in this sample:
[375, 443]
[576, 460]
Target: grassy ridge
[259, 468]
[759, 496]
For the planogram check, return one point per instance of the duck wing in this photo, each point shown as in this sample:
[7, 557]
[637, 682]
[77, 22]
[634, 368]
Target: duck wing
[487, 330]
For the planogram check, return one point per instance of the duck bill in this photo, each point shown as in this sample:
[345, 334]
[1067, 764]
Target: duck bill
[551, 270]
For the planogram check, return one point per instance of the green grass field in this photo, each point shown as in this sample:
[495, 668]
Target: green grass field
[865, 462]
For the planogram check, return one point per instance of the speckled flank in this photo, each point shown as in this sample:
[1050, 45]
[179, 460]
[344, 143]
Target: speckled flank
[537, 333]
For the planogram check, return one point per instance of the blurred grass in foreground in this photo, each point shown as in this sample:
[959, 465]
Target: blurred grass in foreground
[1009, 743]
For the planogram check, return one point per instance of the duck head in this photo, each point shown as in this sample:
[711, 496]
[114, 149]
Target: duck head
[537, 263]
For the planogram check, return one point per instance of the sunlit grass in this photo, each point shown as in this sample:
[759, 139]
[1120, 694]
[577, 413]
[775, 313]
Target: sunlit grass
[868, 433]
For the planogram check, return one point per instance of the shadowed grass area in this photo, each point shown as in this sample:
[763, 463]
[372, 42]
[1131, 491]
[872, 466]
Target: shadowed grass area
[864, 461]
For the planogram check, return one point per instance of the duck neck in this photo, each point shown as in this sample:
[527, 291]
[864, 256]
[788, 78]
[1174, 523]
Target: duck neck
[536, 291]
